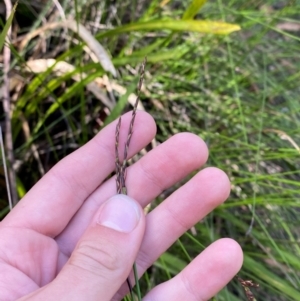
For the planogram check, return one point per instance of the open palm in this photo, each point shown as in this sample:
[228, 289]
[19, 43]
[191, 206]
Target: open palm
[52, 246]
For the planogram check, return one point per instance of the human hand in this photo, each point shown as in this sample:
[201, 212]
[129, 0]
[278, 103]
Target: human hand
[72, 238]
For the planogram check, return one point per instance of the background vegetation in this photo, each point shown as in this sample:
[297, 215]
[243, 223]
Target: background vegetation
[239, 92]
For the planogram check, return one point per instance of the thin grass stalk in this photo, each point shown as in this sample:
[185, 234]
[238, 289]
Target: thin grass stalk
[121, 167]
[5, 171]
[136, 277]
[7, 108]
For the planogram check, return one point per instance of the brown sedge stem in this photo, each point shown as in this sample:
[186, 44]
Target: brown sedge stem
[121, 167]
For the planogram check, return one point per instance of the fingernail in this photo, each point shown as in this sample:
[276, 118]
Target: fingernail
[120, 213]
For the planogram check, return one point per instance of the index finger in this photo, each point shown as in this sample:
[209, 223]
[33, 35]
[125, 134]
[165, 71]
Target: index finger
[51, 203]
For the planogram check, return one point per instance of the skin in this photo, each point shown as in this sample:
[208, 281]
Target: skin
[56, 244]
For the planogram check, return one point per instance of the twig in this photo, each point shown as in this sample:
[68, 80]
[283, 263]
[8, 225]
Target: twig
[121, 167]
[7, 109]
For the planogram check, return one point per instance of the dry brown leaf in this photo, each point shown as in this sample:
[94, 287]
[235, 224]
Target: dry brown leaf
[86, 36]
[61, 67]
[284, 136]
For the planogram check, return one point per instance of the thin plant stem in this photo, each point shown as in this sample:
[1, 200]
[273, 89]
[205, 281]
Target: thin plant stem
[136, 277]
[5, 170]
[121, 166]
[130, 288]
[7, 109]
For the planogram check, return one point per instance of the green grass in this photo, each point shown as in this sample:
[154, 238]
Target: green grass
[239, 92]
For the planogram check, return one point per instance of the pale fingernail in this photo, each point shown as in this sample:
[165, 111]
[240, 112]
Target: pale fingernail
[120, 213]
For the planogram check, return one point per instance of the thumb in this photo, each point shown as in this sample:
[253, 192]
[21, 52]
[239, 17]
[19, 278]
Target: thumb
[104, 256]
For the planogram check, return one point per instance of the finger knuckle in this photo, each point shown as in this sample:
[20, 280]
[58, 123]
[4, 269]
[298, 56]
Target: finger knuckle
[96, 258]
